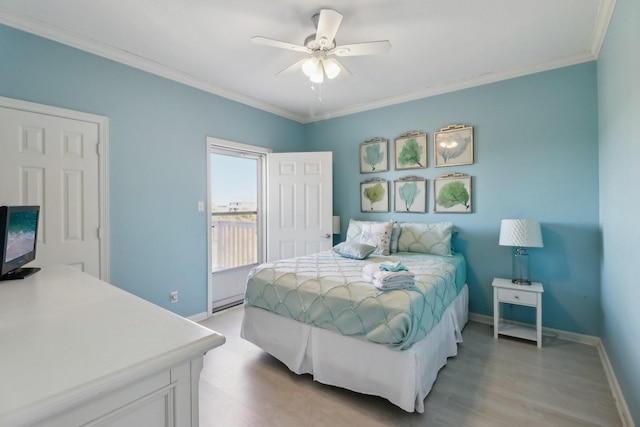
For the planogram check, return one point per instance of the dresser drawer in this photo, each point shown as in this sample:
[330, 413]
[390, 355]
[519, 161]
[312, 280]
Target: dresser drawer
[517, 297]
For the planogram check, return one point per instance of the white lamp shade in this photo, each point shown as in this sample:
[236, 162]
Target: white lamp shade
[331, 68]
[521, 233]
[310, 66]
[336, 225]
[317, 77]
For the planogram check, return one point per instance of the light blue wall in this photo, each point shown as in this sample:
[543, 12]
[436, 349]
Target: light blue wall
[619, 121]
[536, 156]
[157, 132]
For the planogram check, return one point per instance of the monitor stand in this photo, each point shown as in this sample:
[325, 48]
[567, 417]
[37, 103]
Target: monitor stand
[20, 273]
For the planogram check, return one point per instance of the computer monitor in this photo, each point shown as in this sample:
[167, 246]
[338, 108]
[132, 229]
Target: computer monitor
[18, 240]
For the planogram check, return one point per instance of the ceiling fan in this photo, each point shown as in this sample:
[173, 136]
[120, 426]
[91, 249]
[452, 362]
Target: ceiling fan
[321, 46]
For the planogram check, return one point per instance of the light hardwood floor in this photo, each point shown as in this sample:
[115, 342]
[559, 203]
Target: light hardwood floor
[490, 382]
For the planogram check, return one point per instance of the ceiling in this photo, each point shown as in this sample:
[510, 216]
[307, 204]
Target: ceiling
[437, 46]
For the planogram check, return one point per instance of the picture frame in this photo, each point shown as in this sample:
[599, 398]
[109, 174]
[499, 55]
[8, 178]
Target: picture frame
[374, 155]
[410, 195]
[410, 151]
[374, 196]
[452, 193]
[453, 146]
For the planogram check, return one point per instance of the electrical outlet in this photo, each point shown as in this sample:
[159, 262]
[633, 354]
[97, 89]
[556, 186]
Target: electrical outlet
[174, 297]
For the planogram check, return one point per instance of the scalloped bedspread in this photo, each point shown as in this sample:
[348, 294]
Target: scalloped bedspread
[328, 291]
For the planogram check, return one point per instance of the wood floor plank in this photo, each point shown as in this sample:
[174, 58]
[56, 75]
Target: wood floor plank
[494, 383]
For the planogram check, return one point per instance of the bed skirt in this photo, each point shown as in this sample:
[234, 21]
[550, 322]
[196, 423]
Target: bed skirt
[402, 377]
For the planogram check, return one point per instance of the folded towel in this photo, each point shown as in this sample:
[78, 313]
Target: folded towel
[390, 276]
[393, 285]
[392, 266]
[371, 270]
[368, 270]
[387, 279]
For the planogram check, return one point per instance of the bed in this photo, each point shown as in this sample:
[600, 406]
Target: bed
[318, 315]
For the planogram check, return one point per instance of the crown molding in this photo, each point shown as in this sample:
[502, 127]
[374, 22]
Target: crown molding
[603, 18]
[467, 83]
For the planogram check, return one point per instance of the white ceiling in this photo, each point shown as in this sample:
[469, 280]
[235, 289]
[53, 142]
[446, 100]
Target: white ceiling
[437, 45]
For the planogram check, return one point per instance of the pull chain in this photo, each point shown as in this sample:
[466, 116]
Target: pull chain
[313, 87]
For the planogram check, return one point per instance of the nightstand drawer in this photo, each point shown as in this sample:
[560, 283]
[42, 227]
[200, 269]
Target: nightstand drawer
[517, 296]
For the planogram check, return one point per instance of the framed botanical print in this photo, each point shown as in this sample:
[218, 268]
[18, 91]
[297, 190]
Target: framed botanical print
[410, 151]
[410, 195]
[453, 146]
[374, 155]
[374, 196]
[452, 193]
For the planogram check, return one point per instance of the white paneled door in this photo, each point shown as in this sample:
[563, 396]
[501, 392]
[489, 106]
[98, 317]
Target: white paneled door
[53, 162]
[300, 204]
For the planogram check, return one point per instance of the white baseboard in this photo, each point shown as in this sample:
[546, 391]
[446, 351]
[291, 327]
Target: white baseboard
[621, 403]
[563, 335]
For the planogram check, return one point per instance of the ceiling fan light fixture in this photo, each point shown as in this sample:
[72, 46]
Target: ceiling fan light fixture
[317, 77]
[310, 66]
[331, 68]
[321, 45]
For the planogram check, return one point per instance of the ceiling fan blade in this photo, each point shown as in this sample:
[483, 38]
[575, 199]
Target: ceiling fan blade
[361, 49]
[279, 44]
[293, 68]
[328, 24]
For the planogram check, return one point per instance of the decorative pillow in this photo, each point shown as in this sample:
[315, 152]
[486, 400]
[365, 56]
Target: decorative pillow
[353, 250]
[434, 239]
[395, 235]
[372, 233]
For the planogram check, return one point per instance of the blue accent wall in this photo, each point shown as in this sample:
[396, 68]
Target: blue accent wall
[157, 134]
[619, 119]
[535, 157]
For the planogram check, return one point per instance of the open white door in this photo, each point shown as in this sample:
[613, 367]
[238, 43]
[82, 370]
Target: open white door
[299, 204]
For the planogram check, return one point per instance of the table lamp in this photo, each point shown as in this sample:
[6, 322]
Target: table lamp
[336, 225]
[521, 234]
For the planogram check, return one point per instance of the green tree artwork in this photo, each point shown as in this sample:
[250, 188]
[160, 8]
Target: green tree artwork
[453, 194]
[373, 156]
[374, 194]
[408, 193]
[411, 152]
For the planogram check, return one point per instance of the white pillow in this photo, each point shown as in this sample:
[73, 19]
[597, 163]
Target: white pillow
[434, 239]
[372, 233]
[395, 236]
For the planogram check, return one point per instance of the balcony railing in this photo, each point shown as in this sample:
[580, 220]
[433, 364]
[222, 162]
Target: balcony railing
[235, 239]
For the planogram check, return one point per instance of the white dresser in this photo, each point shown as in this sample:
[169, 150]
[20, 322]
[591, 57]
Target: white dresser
[77, 351]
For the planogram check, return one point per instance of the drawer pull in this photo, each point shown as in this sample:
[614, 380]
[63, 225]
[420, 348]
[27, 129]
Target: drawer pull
[517, 297]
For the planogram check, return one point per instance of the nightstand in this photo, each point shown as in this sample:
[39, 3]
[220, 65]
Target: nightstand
[528, 295]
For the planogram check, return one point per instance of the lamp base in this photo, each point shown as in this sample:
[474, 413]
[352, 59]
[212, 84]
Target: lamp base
[520, 267]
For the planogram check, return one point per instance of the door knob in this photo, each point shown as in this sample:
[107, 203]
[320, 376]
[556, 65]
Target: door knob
[326, 236]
